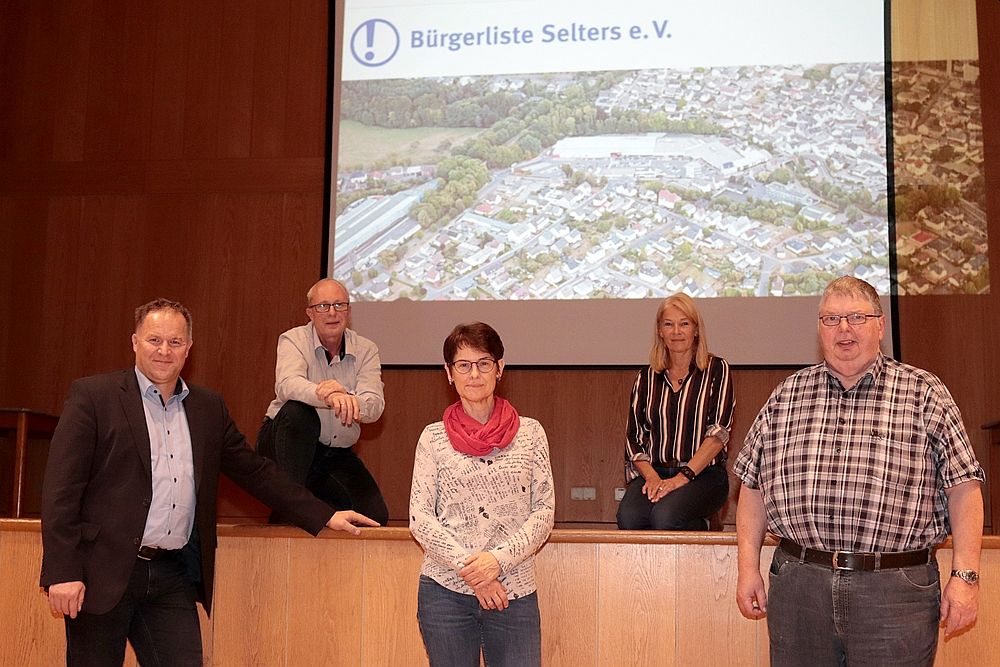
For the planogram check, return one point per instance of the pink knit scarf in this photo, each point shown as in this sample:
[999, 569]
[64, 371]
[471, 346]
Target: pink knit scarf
[470, 437]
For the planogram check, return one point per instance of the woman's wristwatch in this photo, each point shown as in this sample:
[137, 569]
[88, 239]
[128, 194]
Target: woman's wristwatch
[687, 472]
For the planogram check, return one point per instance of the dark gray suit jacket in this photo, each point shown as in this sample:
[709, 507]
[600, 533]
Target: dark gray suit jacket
[98, 486]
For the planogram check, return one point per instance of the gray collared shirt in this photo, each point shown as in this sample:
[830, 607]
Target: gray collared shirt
[172, 503]
[859, 469]
[302, 364]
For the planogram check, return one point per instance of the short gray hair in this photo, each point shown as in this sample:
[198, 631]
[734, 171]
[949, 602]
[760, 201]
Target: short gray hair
[312, 290]
[855, 287]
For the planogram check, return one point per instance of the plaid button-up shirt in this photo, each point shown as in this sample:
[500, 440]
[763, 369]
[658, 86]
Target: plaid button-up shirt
[859, 470]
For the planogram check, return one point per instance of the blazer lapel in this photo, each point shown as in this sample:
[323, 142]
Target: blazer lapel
[135, 416]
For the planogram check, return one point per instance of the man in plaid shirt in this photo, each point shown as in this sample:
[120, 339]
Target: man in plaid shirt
[861, 466]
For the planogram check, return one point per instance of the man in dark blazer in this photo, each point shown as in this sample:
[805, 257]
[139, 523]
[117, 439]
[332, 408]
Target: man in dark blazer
[129, 501]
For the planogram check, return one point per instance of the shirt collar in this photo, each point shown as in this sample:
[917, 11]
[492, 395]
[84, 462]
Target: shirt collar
[870, 376]
[149, 390]
[347, 345]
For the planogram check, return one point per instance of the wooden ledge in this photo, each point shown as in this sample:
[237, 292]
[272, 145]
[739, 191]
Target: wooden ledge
[559, 535]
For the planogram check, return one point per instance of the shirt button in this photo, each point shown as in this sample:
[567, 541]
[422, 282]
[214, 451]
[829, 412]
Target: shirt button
[842, 420]
[175, 479]
[838, 451]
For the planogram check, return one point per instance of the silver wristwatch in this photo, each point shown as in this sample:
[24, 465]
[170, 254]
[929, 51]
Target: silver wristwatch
[968, 576]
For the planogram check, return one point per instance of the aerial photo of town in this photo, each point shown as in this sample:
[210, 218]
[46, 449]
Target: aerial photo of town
[940, 197]
[742, 181]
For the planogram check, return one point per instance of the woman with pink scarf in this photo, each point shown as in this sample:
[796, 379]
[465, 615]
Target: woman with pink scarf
[481, 505]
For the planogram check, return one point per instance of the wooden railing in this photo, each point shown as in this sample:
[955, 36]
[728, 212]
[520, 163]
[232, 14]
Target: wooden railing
[606, 598]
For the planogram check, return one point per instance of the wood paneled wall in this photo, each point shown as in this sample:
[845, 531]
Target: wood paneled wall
[176, 148]
[606, 598]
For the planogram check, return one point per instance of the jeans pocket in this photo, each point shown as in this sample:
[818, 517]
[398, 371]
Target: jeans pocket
[921, 577]
[779, 563]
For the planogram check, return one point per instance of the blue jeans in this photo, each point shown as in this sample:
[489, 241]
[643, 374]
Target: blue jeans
[683, 509]
[157, 615]
[455, 628]
[819, 617]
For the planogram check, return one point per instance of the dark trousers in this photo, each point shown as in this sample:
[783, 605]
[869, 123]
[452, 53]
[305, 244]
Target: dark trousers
[824, 618]
[684, 509]
[157, 615]
[335, 475]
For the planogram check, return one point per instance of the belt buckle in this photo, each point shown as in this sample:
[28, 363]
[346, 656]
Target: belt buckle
[837, 566]
[143, 551]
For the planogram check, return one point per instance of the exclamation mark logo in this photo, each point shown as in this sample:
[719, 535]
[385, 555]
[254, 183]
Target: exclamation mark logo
[374, 42]
[370, 37]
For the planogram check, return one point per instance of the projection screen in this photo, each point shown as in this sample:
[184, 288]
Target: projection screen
[556, 169]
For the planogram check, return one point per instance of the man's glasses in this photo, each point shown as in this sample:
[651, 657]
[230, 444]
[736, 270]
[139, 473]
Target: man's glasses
[854, 319]
[485, 365]
[340, 307]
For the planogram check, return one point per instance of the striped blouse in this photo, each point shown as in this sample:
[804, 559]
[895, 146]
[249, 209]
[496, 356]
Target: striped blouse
[667, 426]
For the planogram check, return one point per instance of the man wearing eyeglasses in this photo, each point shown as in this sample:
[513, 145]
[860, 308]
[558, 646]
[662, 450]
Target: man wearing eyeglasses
[328, 381]
[860, 466]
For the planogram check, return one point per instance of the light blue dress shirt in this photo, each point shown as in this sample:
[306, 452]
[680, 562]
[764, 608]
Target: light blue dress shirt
[172, 500]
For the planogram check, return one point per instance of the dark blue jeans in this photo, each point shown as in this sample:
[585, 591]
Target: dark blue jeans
[819, 617]
[683, 509]
[335, 475]
[157, 615]
[455, 628]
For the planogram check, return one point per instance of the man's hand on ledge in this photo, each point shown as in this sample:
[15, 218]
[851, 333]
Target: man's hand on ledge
[349, 520]
[66, 599]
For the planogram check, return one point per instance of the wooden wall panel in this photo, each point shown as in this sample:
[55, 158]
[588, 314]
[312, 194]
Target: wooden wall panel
[565, 577]
[707, 573]
[270, 90]
[236, 80]
[989, 347]
[177, 147]
[255, 628]
[120, 91]
[606, 598]
[389, 632]
[637, 591]
[202, 99]
[39, 638]
[169, 81]
[321, 605]
[582, 411]
[308, 55]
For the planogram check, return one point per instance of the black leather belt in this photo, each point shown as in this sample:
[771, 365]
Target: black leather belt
[155, 553]
[854, 560]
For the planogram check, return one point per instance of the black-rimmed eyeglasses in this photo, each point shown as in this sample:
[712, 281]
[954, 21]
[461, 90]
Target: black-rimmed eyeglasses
[339, 306]
[854, 319]
[485, 365]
